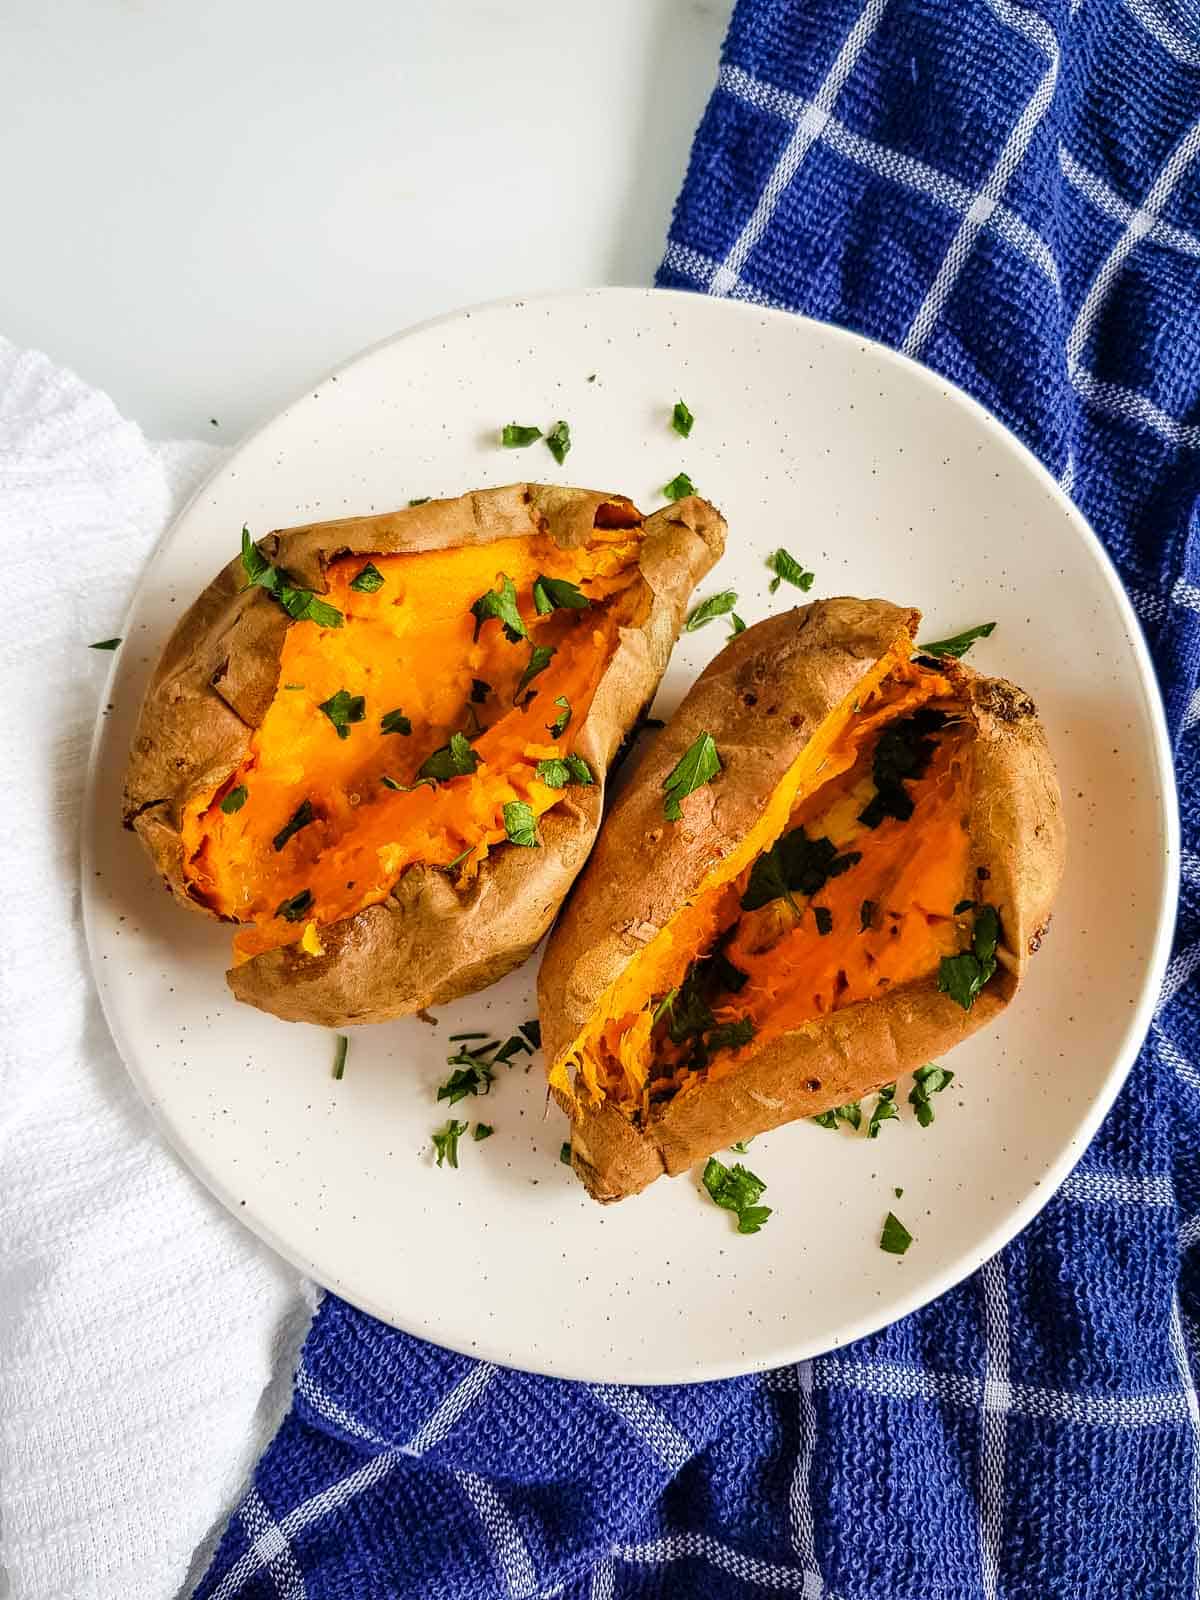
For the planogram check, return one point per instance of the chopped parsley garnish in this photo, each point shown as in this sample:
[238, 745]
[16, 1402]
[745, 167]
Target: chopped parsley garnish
[665, 1005]
[698, 765]
[682, 419]
[885, 1110]
[445, 1142]
[105, 644]
[964, 905]
[473, 1078]
[903, 752]
[964, 975]
[689, 1014]
[958, 644]
[717, 605]
[785, 566]
[300, 818]
[730, 1035]
[520, 824]
[866, 915]
[302, 605]
[736, 625]
[407, 788]
[738, 1190]
[533, 1032]
[421, 500]
[558, 441]
[340, 1051]
[927, 1081]
[515, 436]
[557, 594]
[558, 727]
[540, 657]
[342, 709]
[850, 1113]
[482, 1130]
[679, 487]
[824, 919]
[795, 864]
[368, 580]
[895, 1238]
[742, 1145]
[479, 691]
[234, 800]
[395, 722]
[453, 760]
[501, 603]
[295, 908]
[556, 773]
[564, 1153]
[449, 866]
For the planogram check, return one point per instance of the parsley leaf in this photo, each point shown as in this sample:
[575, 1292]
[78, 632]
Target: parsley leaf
[786, 566]
[300, 818]
[445, 1142]
[395, 722]
[682, 419]
[564, 1153]
[824, 919]
[302, 605]
[895, 1238]
[730, 1035]
[295, 908]
[421, 500]
[927, 1080]
[482, 1130]
[501, 603]
[902, 754]
[579, 770]
[368, 580]
[520, 824]
[553, 773]
[340, 1052]
[473, 1078]
[885, 1110]
[540, 657]
[850, 1113]
[736, 626]
[737, 1189]
[515, 436]
[406, 788]
[342, 709]
[959, 643]
[558, 441]
[679, 487]
[557, 594]
[533, 1032]
[453, 760]
[558, 727]
[795, 864]
[698, 765]
[717, 605]
[742, 1145]
[964, 975]
[234, 800]
[105, 644]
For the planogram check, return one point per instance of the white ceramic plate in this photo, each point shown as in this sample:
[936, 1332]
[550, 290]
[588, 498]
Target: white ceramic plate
[887, 482]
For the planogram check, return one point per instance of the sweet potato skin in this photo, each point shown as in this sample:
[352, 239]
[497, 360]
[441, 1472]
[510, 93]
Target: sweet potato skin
[1017, 837]
[429, 942]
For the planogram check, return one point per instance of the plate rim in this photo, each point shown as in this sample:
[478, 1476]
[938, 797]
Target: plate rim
[894, 1307]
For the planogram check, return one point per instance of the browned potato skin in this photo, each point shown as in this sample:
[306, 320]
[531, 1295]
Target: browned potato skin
[762, 699]
[429, 942]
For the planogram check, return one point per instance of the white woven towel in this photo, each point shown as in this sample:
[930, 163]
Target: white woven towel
[140, 1327]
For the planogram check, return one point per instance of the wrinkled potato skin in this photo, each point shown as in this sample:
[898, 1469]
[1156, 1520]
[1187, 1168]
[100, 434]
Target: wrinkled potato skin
[429, 942]
[762, 699]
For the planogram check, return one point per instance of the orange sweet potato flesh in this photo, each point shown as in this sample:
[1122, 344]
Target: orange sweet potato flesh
[407, 646]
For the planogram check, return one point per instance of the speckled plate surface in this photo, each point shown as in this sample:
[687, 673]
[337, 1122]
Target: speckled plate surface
[884, 481]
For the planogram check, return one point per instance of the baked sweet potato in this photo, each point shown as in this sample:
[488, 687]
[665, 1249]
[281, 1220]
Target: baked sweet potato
[379, 745]
[857, 889]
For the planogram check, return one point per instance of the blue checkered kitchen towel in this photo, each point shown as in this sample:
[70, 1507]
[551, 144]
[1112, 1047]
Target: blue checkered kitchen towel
[1011, 193]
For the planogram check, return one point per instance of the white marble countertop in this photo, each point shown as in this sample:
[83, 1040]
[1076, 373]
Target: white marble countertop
[206, 207]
